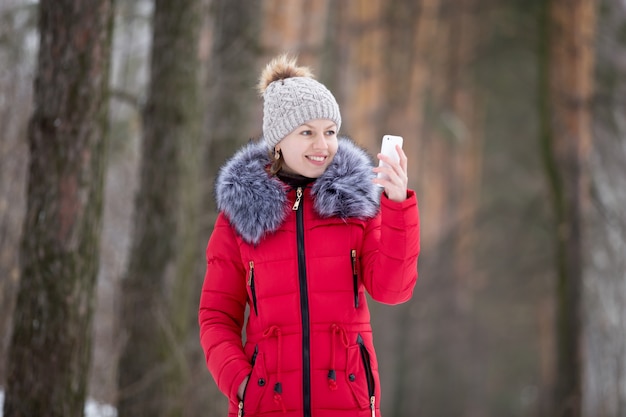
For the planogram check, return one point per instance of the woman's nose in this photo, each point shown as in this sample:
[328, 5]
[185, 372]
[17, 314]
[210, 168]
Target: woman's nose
[320, 142]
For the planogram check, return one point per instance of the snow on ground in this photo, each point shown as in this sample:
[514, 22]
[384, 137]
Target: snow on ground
[92, 408]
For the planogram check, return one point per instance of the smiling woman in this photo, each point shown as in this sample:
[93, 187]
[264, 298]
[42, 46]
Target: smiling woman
[310, 148]
[302, 233]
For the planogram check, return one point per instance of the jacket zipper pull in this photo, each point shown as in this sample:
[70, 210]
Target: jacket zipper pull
[252, 287]
[251, 273]
[373, 405]
[298, 198]
[240, 412]
[355, 279]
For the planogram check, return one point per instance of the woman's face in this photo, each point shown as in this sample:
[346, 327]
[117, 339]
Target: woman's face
[310, 148]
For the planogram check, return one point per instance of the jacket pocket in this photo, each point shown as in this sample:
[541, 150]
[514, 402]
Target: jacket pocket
[252, 286]
[355, 277]
[255, 389]
[369, 374]
[359, 374]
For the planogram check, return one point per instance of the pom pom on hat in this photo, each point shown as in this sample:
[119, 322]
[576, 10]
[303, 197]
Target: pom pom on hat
[292, 97]
[280, 68]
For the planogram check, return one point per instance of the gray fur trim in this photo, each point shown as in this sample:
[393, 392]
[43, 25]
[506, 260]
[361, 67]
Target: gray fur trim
[256, 204]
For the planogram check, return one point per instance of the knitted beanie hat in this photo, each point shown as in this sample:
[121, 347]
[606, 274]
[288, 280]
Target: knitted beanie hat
[291, 97]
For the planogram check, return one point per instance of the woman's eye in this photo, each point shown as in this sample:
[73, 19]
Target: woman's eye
[306, 133]
[330, 132]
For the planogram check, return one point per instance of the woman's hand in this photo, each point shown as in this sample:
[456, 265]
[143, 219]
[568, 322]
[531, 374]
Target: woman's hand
[242, 387]
[396, 185]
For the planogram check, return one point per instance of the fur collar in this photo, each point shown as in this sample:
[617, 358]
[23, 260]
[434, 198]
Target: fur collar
[256, 204]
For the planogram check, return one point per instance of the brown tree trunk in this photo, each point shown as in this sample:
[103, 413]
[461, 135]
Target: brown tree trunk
[566, 89]
[360, 67]
[153, 369]
[49, 354]
[411, 27]
[466, 126]
[295, 26]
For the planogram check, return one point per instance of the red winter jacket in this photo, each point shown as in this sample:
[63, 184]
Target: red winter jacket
[302, 259]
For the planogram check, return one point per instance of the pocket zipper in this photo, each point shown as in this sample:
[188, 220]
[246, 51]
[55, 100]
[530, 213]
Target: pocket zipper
[252, 288]
[369, 375]
[355, 279]
[252, 361]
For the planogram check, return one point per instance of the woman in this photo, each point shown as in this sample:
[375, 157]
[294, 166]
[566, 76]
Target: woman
[303, 231]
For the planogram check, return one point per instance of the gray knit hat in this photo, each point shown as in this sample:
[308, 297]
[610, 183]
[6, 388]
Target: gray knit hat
[291, 97]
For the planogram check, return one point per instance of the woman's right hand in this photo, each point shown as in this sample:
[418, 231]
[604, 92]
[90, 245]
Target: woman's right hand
[242, 387]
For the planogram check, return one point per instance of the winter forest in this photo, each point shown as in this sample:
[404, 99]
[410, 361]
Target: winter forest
[115, 116]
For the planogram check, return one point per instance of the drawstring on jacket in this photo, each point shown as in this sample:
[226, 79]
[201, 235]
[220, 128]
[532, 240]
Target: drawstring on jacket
[332, 375]
[278, 387]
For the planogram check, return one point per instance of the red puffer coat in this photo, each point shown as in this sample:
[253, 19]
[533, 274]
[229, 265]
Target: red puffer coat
[309, 348]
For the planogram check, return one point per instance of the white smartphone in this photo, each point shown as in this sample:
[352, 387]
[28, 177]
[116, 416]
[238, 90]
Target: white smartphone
[388, 148]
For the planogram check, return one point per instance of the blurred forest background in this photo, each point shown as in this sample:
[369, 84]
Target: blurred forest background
[514, 119]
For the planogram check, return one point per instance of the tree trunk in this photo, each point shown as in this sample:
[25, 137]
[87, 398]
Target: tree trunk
[296, 26]
[604, 392]
[232, 75]
[466, 127]
[359, 74]
[15, 110]
[50, 349]
[153, 369]
[231, 81]
[566, 76]
[411, 27]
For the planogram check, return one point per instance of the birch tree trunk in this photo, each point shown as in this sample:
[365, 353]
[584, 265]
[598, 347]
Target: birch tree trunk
[49, 354]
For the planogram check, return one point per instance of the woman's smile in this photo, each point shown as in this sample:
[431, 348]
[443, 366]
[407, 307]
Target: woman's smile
[310, 148]
[317, 159]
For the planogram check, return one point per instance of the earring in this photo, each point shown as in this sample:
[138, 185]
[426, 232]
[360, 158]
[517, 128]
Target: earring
[276, 154]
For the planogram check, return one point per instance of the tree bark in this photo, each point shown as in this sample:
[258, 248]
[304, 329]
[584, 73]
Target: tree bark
[411, 27]
[296, 26]
[15, 110]
[231, 80]
[359, 74]
[233, 69]
[50, 349]
[604, 384]
[153, 369]
[566, 76]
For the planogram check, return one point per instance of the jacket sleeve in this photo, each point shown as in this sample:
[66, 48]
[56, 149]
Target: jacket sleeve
[221, 312]
[390, 251]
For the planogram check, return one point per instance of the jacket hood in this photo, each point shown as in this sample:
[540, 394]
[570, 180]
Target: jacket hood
[256, 203]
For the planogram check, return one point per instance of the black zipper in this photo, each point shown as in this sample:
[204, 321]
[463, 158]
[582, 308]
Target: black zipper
[240, 412]
[256, 352]
[355, 278]
[252, 288]
[369, 375]
[304, 304]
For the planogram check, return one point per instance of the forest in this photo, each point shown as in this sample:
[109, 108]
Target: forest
[116, 115]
